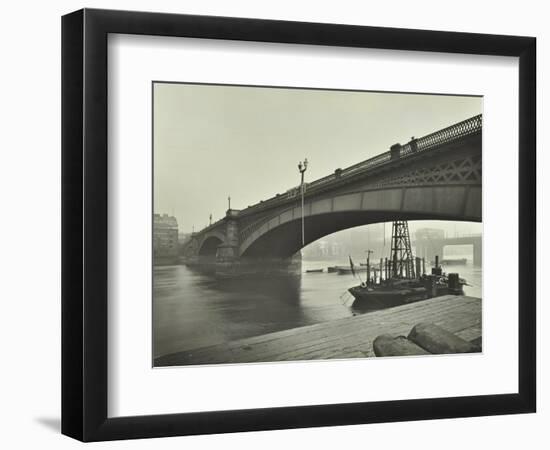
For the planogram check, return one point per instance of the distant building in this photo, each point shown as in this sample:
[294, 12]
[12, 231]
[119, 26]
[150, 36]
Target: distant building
[165, 239]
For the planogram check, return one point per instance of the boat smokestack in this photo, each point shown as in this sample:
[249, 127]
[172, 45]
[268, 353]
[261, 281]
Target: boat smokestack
[437, 269]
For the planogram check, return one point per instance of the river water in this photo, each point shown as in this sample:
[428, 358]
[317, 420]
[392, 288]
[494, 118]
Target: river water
[192, 309]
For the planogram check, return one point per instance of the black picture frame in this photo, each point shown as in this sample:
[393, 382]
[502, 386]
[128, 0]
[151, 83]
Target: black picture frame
[84, 224]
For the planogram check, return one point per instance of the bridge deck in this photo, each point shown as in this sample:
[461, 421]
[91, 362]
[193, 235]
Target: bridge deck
[351, 337]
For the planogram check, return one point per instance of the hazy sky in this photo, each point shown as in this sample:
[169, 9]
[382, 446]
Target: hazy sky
[215, 141]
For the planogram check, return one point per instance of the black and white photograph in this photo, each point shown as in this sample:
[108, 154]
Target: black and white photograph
[275, 225]
[295, 224]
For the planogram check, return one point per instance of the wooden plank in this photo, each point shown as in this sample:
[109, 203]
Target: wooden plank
[275, 345]
[351, 337]
[369, 317]
[292, 345]
[350, 325]
[347, 336]
[223, 353]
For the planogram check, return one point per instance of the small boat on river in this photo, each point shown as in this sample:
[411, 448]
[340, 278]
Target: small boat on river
[453, 262]
[401, 278]
[345, 270]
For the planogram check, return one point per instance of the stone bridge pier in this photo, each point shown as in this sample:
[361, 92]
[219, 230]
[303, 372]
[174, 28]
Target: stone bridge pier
[228, 251]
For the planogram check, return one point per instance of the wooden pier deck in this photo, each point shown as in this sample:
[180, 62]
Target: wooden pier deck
[350, 337]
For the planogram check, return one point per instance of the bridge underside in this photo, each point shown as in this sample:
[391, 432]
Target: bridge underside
[210, 247]
[286, 239]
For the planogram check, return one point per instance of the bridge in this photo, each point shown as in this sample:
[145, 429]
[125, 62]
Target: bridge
[435, 177]
[430, 248]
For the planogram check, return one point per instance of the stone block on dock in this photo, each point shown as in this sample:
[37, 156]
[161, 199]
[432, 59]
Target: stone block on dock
[388, 345]
[437, 340]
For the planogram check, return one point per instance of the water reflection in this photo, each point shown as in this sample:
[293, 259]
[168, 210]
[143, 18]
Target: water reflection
[193, 309]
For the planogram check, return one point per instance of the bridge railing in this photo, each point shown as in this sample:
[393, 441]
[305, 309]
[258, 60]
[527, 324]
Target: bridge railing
[457, 131]
[212, 226]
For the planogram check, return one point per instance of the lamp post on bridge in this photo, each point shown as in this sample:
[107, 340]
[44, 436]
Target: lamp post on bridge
[302, 167]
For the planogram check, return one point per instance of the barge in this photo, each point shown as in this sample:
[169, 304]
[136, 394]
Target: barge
[401, 278]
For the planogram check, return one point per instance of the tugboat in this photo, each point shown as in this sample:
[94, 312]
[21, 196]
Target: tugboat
[345, 270]
[314, 271]
[402, 278]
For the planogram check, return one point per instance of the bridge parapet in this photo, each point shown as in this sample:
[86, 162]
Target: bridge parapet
[459, 130]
